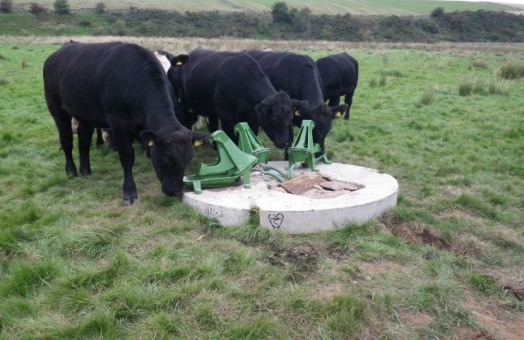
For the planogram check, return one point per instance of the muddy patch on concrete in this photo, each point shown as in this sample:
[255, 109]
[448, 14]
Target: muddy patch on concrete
[314, 185]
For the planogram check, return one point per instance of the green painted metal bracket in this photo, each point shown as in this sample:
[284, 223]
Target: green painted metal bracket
[249, 143]
[232, 164]
[303, 149]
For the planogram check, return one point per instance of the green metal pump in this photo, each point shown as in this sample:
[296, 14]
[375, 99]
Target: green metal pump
[249, 143]
[232, 163]
[303, 149]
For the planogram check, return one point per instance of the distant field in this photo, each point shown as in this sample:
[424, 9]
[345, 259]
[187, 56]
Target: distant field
[385, 7]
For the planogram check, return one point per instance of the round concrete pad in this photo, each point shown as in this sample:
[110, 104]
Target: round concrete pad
[290, 213]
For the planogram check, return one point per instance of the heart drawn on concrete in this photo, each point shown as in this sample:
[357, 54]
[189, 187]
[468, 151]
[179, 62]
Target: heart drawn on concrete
[276, 220]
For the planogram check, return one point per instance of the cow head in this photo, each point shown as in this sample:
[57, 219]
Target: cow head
[170, 156]
[322, 115]
[274, 115]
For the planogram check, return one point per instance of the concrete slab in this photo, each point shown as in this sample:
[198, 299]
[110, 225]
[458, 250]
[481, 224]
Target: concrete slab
[279, 210]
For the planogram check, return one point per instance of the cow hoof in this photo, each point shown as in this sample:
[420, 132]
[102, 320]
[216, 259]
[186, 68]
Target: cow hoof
[71, 174]
[129, 201]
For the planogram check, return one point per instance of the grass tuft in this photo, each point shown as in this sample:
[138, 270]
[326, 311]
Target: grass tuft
[512, 70]
[260, 328]
[378, 82]
[345, 315]
[427, 98]
[478, 64]
[392, 73]
[23, 278]
[498, 87]
[94, 242]
[466, 87]
[477, 205]
[14, 308]
[484, 283]
[95, 325]
[251, 235]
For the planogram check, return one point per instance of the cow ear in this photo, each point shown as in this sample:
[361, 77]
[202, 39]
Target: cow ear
[338, 111]
[262, 107]
[197, 137]
[179, 60]
[281, 96]
[149, 138]
[299, 106]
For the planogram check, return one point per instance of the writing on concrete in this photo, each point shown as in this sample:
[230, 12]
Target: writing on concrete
[210, 211]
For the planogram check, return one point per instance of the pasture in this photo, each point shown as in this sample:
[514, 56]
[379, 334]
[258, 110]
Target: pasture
[445, 263]
[355, 7]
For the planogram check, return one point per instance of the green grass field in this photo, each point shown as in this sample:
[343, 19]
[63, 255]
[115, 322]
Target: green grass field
[383, 7]
[76, 263]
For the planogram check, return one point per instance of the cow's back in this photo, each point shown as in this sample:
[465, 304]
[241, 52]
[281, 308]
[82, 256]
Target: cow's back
[211, 77]
[339, 73]
[293, 73]
[93, 80]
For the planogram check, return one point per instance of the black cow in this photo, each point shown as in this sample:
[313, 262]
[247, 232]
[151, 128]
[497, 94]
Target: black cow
[298, 76]
[339, 73]
[231, 87]
[122, 87]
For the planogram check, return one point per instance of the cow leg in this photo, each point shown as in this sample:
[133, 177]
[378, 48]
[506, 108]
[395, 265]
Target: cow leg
[99, 138]
[348, 99]
[333, 101]
[286, 154]
[65, 133]
[228, 126]
[123, 142]
[85, 134]
[212, 123]
[252, 121]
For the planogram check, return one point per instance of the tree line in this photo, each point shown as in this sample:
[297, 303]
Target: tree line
[288, 23]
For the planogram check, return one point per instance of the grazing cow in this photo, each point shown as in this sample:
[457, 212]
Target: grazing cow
[339, 73]
[231, 87]
[298, 76]
[122, 87]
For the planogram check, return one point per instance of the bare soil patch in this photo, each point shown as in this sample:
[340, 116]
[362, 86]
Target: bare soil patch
[467, 333]
[419, 319]
[379, 268]
[493, 319]
[415, 233]
[412, 232]
[303, 256]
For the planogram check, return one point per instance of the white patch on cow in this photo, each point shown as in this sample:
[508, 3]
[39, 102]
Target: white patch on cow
[163, 60]
[74, 125]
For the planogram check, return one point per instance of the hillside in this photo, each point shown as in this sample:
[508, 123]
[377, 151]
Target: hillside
[290, 24]
[354, 7]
